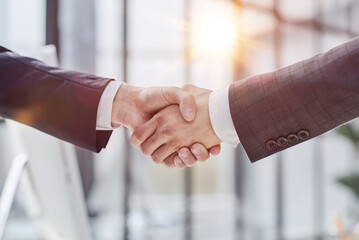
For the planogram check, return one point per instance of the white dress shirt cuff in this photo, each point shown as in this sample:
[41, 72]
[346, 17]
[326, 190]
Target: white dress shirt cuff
[104, 110]
[221, 117]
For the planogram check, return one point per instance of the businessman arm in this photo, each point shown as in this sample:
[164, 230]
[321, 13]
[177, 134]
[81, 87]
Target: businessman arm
[76, 107]
[59, 102]
[274, 111]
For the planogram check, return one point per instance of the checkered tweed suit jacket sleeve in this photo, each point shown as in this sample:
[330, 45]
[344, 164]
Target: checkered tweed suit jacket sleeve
[277, 110]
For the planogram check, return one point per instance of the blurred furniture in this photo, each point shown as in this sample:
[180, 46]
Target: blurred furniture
[10, 188]
[50, 189]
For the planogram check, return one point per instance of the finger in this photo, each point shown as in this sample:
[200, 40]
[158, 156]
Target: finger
[187, 157]
[178, 162]
[200, 152]
[186, 101]
[169, 162]
[154, 142]
[142, 133]
[161, 97]
[160, 154]
[215, 150]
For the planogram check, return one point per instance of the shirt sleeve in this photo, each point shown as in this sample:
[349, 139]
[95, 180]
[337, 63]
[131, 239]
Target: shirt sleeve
[104, 110]
[221, 118]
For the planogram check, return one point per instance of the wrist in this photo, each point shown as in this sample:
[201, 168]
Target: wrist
[124, 97]
[203, 103]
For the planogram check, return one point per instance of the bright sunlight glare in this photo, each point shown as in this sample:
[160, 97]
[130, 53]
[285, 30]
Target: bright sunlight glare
[215, 30]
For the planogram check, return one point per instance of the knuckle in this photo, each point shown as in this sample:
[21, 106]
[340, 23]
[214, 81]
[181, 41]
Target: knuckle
[169, 163]
[187, 87]
[167, 131]
[145, 150]
[140, 137]
[168, 93]
[156, 158]
[136, 137]
[160, 118]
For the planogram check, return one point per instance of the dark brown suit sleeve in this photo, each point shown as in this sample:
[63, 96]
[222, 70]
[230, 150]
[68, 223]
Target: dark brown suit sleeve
[274, 111]
[56, 101]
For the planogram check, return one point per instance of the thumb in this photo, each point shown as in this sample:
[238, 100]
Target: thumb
[188, 107]
[161, 97]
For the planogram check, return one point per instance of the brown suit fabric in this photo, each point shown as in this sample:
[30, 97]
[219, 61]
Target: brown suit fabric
[277, 110]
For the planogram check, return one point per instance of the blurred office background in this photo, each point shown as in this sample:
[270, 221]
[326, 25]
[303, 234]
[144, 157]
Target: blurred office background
[210, 43]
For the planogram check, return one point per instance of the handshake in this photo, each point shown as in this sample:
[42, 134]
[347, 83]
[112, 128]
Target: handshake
[171, 125]
[177, 127]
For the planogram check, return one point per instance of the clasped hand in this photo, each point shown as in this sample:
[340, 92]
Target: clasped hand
[170, 125]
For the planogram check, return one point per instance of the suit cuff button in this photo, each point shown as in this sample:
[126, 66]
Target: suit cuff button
[303, 135]
[282, 142]
[271, 145]
[292, 138]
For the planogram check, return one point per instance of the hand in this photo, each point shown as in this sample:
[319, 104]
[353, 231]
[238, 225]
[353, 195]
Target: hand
[133, 106]
[167, 132]
[188, 157]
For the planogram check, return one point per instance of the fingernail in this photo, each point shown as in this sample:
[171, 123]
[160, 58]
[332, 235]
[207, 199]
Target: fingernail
[135, 143]
[196, 150]
[178, 162]
[189, 113]
[183, 154]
